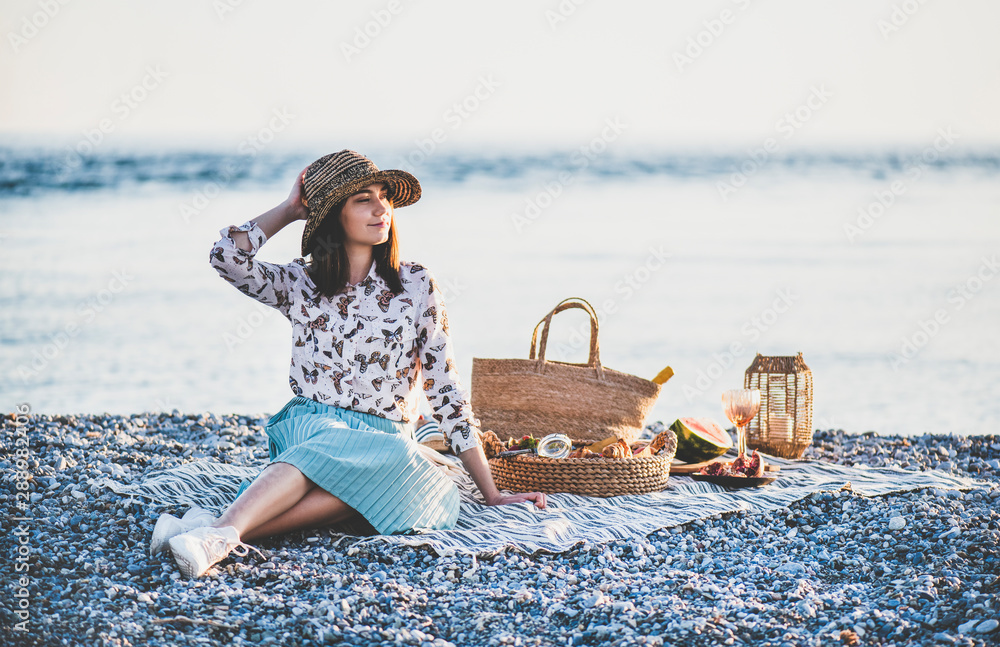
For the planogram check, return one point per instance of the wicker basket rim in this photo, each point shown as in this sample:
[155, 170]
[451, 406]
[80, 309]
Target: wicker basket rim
[604, 460]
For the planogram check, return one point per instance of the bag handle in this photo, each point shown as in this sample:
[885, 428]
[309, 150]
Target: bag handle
[594, 357]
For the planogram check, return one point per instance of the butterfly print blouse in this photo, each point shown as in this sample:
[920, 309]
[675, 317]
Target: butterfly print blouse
[365, 349]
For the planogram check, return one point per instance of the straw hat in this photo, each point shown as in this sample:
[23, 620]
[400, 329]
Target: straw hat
[336, 176]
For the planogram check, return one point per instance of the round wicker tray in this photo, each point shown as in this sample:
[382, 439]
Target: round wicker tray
[601, 477]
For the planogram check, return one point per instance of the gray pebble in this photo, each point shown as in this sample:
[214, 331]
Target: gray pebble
[987, 626]
[966, 627]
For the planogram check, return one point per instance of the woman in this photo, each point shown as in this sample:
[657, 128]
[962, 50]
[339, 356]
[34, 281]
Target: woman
[367, 330]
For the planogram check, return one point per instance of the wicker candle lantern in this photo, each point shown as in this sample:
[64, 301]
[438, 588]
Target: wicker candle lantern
[783, 426]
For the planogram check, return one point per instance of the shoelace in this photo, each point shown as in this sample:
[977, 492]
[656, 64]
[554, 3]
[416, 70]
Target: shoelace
[222, 546]
[246, 550]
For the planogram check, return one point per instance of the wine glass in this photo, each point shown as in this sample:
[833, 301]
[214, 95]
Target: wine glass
[741, 405]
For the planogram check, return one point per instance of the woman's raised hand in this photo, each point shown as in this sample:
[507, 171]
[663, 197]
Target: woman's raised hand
[274, 220]
[295, 202]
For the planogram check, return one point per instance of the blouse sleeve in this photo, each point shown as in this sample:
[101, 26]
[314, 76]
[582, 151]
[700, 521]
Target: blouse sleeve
[266, 282]
[444, 391]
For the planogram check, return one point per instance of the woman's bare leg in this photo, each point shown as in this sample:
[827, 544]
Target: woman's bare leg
[316, 509]
[277, 489]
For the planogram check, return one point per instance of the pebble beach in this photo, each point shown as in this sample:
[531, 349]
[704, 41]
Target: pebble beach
[835, 568]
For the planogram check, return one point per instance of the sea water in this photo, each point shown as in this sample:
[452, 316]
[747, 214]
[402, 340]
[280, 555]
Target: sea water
[884, 278]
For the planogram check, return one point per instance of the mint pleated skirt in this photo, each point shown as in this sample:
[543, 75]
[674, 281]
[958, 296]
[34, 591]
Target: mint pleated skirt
[370, 463]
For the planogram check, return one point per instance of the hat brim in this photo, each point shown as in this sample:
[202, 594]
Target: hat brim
[403, 187]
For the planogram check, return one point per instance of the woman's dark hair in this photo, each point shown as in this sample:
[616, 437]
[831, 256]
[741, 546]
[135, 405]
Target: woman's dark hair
[328, 266]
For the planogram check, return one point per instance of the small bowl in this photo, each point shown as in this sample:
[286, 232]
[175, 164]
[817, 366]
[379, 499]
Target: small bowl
[554, 446]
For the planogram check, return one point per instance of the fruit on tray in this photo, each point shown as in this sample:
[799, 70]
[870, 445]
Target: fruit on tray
[525, 442]
[700, 439]
[749, 466]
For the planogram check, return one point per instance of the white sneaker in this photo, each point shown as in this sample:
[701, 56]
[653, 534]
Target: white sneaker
[198, 550]
[168, 526]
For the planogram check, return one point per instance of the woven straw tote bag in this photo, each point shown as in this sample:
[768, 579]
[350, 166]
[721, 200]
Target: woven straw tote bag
[587, 402]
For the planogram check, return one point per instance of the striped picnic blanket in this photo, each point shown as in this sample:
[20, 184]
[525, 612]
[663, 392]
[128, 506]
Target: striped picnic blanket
[569, 519]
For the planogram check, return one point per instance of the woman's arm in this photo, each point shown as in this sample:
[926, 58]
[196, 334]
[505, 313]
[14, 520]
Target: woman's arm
[475, 462]
[233, 255]
[449, 399]
[273, 221]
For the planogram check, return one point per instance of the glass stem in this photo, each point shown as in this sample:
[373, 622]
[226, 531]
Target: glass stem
[741, 440]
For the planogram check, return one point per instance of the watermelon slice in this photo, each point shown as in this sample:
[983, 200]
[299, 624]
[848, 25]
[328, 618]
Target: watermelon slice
[700, 439]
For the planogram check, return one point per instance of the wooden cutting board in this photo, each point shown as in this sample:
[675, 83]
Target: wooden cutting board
[691, 468]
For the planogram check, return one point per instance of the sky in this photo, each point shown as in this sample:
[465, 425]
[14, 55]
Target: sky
[524, 74]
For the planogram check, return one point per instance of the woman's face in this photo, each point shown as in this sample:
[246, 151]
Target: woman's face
[367, 216]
